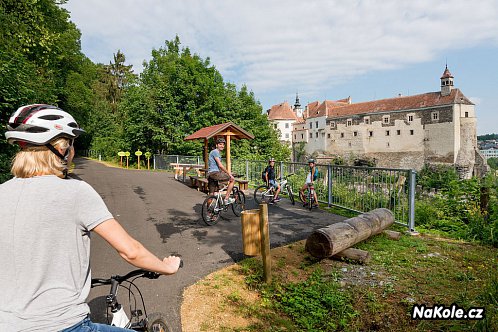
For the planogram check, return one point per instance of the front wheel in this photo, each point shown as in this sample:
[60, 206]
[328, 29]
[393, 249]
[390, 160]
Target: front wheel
[211, 210]
[156, 322]
[240, 202]
[262, 194]
[291, 195]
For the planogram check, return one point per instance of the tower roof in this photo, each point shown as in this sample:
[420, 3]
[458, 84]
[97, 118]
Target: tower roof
[446, 73]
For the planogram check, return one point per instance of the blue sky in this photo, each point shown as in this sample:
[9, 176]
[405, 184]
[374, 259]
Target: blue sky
[321, 49]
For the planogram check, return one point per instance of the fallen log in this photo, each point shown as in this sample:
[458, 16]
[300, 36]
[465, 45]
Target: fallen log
[330, 240]
[357, 255]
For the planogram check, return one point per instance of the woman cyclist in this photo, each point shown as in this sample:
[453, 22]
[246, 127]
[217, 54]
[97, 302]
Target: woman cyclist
[46, 225]
[309, 180]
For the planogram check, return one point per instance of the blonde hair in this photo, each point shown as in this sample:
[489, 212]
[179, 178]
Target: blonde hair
[34, 160]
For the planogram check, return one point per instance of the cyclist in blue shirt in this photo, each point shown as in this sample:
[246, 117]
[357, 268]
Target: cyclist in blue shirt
[310, 179]
[218, 172]
[270, 179]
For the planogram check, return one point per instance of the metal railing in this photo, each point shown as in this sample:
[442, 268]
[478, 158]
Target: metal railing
[354, 188]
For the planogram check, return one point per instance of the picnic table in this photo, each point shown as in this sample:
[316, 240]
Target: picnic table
[185, 168]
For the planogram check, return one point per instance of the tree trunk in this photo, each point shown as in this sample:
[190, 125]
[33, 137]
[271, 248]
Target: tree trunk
[330, 240]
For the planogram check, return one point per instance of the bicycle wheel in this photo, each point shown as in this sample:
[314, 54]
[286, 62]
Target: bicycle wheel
[303, 196]
[211, 210]
[240, 202]
[291, 195]
[310, 199]
[262, 194]
[156, 322]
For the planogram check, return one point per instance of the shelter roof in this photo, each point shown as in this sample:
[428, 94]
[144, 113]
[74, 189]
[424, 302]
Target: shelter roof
[228, 128]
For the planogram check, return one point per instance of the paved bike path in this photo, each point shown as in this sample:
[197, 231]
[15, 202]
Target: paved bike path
[164, 214]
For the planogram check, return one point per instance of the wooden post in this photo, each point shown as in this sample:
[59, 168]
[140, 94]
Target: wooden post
[265, 242]
[206, 154]
[229, 162]
[138, 167]
[121, 161]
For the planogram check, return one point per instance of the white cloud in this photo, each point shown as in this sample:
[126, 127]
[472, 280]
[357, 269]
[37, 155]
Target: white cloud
[270, 45]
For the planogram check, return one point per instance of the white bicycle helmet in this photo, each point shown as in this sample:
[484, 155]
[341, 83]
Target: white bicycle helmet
[38, 124]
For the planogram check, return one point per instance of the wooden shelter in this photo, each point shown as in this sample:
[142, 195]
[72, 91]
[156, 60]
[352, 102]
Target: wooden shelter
[227, 130]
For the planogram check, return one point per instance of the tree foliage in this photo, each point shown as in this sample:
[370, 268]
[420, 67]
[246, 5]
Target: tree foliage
[179, 93]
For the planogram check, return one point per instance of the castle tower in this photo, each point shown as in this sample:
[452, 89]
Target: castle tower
[446, 82]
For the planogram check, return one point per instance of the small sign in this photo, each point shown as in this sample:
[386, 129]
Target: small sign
[148, 154]
[127, 154]
[138, 153]
[121, 153]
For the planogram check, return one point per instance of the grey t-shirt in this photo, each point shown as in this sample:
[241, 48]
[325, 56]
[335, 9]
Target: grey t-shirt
[45, 251]
[213, 166]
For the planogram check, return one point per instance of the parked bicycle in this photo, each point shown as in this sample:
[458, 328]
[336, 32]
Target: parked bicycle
[139, 320]
[265, 194]
[215, 204]
[308, 197]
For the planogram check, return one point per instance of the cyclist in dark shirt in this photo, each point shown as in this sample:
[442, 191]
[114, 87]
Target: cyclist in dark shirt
[270, 179]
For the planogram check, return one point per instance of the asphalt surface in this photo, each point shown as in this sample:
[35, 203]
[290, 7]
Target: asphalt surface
[164, 215]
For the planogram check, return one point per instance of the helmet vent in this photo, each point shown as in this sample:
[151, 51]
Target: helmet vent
[72, 125]
[51, 117]
[36, 130]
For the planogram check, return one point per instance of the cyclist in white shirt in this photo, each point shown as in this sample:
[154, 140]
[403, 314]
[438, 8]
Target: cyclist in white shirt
[46, 225]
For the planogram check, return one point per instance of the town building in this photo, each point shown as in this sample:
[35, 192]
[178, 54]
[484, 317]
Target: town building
[282, 116]
[402, 132]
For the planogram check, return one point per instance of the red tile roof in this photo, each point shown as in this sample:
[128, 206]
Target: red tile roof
[281, 111]
[218, 129]
[316, 109]
[446, 73]
[401, 103]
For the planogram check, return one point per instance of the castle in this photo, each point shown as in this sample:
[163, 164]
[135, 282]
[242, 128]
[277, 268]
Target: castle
[401, 132]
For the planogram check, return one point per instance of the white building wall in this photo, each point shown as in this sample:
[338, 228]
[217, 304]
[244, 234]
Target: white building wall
[317, 140]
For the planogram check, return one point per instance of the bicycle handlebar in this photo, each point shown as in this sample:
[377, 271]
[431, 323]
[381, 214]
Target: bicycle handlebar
[141, 273]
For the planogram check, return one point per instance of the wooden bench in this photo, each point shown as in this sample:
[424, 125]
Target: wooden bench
[243, 184]
[199, 182]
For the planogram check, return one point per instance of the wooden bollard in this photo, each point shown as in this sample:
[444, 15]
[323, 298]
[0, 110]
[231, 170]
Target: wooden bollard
[328, 241]
[251, 237]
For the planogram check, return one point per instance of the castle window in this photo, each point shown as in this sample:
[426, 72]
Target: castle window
[328, 135]
[316, 134]
[412, 131]
[398, 132]
[385, 119]
[342, 135]
[295, 136]
[366, 120]
[311, 125]
[316, 124]
[388, 145]
[332, 124]
[387, 132]
[435, 116]
[410, 118]
[355, 133]
[311, 135]
[349, 144]
[349, 123]
[302, 136]
[466, 114]
[286, 135]
[370, 133]
[286, 125]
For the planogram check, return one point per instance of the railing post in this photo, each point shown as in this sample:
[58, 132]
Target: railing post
[154, 161]
[247, 170]
[329, 177]
[411, 221]
[281, 169]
